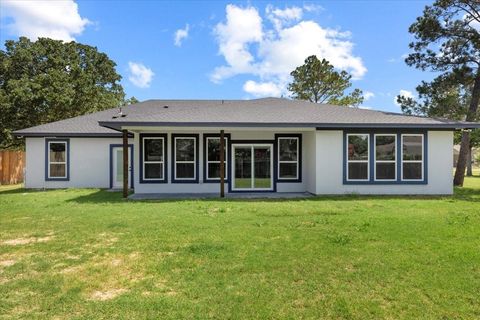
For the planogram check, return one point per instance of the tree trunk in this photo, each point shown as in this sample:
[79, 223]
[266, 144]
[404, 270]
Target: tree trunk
[471, 116]
[469, 162]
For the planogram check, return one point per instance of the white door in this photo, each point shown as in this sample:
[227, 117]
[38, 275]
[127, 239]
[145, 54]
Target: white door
[252, 167]
[117, 170]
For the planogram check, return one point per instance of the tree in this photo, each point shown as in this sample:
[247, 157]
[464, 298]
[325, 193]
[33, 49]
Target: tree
[317, 81]
[49, 80]
[446, 40]
[131, 100]
[447, 96]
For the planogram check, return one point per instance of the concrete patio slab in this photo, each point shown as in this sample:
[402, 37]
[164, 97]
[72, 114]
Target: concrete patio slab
[240, 195]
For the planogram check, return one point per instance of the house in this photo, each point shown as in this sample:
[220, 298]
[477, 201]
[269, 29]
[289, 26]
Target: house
[271, 145]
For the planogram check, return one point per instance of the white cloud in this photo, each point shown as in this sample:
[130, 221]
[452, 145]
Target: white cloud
[281, 17]
[367, 95]
[249, 47]
[264, 89]
[39, 18]
[140, 75]
[180, 35]
[406, 94]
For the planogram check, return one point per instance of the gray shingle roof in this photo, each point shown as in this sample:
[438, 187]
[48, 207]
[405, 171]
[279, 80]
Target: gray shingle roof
[266, 112]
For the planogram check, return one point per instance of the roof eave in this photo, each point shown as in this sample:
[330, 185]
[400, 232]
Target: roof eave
[319, 126]
[65, 134]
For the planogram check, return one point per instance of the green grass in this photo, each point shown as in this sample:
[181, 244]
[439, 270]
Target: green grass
[243, 183]
[88, 254]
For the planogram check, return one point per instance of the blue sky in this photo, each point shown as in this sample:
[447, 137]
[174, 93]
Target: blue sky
[232, 50]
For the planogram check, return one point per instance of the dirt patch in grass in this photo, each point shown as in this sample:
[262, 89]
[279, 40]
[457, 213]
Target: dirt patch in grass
[7, 263]
[29, 240]
[107, 295]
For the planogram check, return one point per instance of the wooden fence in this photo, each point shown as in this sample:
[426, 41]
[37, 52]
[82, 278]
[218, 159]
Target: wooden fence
[12, 165]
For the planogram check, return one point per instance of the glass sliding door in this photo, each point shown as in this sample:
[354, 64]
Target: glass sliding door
[252, 167]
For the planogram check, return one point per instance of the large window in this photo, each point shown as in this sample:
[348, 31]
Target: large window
[358, 157]
[185, 150]
[212, 158]
[385, 157]
[57, 160]
[412, 157]
[288, 158]
[154, 156]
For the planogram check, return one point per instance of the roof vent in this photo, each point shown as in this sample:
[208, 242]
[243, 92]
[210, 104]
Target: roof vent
[120, 114]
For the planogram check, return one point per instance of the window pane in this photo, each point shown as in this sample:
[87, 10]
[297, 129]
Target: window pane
[358, 147]
[385, 171]
[57, 152]
[185, 170]
[153, 171]
[243, 167]
[358, 171]
[412, 148]
[214, 149]
[57, 170]
[412, 171]
[288, 170]
[153, 149]
[214, 171]
[288, 149]
[385, 147]
[185, 149]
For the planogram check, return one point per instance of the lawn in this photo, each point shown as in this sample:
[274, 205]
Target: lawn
[88, 254]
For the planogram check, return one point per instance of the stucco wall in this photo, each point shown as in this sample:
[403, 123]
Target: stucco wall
[329, 173]
[89, 163]
[201, 187]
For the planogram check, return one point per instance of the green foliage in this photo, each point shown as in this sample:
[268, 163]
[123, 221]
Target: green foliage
[49, 80]
[317, 81]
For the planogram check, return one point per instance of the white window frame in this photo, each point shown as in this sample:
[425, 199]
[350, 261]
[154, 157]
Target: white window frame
[214, 161]
[384, 161]
[65, 163]
[422, 162]
[289, 161]
[193, 162]
[358, 161]
[252, 173]
[145, 162]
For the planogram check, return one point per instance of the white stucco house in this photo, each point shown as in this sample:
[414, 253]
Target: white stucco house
[271, 145]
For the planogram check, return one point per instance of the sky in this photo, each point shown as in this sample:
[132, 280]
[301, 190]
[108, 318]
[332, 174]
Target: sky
[232, 49]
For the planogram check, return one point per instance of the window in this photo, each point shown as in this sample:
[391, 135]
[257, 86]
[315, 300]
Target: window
[288, 158]
[358, 146]
[412, 157]
[57, 160]
[212, 160]
[185, 150]
[385, 157]
[153, 158]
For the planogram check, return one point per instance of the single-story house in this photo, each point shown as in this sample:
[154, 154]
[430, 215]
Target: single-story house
[270, 145]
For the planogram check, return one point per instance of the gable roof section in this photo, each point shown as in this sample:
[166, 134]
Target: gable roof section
[266, 112]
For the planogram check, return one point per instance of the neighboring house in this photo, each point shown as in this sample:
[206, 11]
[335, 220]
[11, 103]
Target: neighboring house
[272, 145]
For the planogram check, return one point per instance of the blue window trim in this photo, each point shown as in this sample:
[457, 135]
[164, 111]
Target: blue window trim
[197, 173]
[205, 155]
[272, 142]
[130, 146]
[277, 164]
[165, 157]
[67, 152]
[371, 159]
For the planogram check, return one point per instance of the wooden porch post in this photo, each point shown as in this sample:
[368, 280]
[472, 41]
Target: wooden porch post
[125, 163]
[222, 164]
